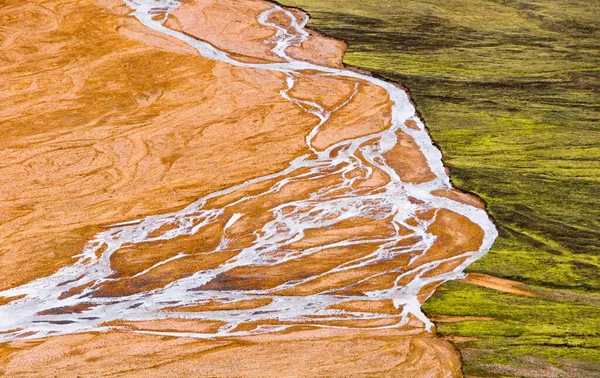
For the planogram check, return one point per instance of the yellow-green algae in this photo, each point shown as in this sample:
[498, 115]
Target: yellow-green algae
[510, 91]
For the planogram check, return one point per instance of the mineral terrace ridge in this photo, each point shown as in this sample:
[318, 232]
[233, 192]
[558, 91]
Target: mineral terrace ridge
[202, 188]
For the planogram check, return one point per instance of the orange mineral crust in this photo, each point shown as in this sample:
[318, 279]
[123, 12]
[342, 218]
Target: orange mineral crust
[99, 128]
[201, 189]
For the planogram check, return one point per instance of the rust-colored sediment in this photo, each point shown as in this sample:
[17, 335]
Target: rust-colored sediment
[104, 121]
[302, 353]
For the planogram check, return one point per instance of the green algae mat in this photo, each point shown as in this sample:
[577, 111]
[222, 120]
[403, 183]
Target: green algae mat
[510, 91]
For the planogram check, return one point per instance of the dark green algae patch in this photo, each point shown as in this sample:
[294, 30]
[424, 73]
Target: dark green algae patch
[510, 91]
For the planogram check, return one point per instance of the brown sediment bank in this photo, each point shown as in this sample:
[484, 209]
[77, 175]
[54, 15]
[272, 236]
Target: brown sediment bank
[106, 120]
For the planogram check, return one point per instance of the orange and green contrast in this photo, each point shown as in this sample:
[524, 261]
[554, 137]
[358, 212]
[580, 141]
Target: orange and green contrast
[510, 91]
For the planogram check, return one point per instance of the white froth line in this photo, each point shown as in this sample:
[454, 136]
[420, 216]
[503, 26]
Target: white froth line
[177, 256]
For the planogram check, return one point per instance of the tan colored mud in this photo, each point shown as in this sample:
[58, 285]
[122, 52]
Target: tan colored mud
[297, 354]
[500, 284]
[105, 121]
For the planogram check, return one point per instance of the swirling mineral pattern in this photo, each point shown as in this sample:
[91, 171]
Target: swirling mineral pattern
[355, 230]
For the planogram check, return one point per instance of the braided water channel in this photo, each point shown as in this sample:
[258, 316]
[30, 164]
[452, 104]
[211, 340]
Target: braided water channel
[317, 191]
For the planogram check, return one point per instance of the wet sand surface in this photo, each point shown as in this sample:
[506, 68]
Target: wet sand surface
[201, 188]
